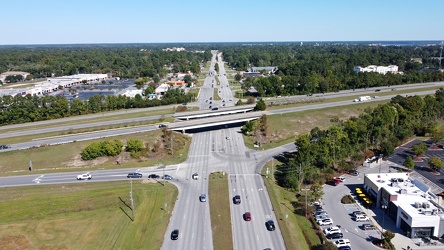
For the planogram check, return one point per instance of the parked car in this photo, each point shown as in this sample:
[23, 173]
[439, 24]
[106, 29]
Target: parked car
[321, 217]
[237, 199]
[341, 178]
[134, 175]
[359, 218]
[203, 198]
[334, 182]
[162, 126]
[270, 225]
[353, 172]
[344, 248]
[153, 176]
[357, 212]
[368, 227]
[334, 236]
[322, 213]
[325, 222]
[342, 243]
[86, 176]
[331, 230]
[167, 177]
[247, 216]
[175, 234]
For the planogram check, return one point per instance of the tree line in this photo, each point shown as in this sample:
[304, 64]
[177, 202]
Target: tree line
[327, 68]
[32, 108]
[126, 61]
[346, 144]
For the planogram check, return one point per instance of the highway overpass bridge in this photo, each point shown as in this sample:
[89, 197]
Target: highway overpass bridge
[215, 121]
[212, 113]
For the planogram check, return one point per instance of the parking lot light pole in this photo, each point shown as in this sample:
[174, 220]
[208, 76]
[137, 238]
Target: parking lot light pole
[380, 162]
[384, 207]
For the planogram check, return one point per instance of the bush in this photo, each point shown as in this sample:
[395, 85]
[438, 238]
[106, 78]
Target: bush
[348, 199]
[104, 148]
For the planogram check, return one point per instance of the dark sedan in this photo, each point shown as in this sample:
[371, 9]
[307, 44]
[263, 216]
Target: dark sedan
[334, 236]
[175, 234]
[134, 175]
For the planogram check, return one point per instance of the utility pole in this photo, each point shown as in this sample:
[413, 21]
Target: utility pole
[131, 198]
[300, 176]
[272, 164]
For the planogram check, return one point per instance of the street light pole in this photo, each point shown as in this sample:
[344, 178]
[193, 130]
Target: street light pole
[384, 207]
[380, 162]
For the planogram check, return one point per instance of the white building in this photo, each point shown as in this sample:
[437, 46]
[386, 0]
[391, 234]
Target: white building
[378, 69]
[52, 84]
[408, 202]
[162, 89]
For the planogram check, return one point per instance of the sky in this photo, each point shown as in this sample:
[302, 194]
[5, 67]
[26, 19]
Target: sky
[174, 21]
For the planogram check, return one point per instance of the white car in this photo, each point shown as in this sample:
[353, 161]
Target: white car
[86, 176]
[342, 243]
[325, 222]
[331, 230]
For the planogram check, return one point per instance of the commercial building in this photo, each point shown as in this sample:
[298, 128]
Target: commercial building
[378, 69]
[409, 202]
[54, 83]
[12, 73]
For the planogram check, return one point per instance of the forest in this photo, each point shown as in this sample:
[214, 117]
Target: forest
[302, 70]
[328, 68]
[345, 144]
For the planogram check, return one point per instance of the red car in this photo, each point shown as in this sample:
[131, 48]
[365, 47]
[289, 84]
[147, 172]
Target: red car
[247, 216]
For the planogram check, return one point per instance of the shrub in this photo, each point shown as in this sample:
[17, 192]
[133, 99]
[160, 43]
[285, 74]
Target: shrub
[347, 199]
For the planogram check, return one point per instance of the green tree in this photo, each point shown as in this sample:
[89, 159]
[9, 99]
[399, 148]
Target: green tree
[187, 78]
[238, 77]
[260, 105]
[248, 127]
[291, 180]
[419, 149]
[134, 145]
[438, 134]
[316, 192]
[436, 163]
[408, 163]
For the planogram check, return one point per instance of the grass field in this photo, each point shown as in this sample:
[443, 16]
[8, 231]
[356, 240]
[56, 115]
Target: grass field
[85, 216]
[220, 211]
[296, 229]
[66, 157]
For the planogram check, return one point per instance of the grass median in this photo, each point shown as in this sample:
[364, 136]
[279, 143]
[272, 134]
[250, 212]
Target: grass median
[296, 229]
[86, 216]
[220, 211]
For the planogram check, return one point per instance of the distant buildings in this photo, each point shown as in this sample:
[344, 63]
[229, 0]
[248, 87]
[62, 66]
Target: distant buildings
[174, 49]
[378, 69]
[54, 83]
[258, 71]
[12, 73]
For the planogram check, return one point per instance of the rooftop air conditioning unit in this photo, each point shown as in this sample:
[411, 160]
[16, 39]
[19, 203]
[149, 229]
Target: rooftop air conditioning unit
[403, 191]
[425, 205]
[417, 204]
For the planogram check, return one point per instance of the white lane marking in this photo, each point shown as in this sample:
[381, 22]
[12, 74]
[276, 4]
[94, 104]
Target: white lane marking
[37, 180]
[356, 229]
[178, 167]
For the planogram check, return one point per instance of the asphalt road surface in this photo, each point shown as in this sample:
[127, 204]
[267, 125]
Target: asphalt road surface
[223, 150]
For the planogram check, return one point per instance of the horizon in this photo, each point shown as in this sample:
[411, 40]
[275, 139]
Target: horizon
[376, 42]
[51, 22]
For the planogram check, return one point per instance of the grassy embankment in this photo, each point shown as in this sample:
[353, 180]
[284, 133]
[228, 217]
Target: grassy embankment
[85, 216]
[284, 128]
[66, 157]
[219, 199]
[296, 229]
